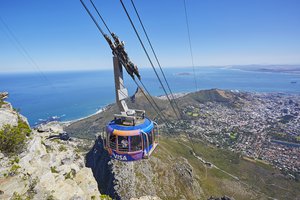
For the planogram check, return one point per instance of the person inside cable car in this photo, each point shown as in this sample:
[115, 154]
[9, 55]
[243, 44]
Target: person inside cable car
[124, 142]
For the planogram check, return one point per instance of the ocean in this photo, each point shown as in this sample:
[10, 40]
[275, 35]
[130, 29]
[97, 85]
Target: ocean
[68, 96]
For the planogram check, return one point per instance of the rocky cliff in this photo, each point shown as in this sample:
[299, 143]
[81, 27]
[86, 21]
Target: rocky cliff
[47, 168]
[8, 115]
[163, 176]
[50, 165]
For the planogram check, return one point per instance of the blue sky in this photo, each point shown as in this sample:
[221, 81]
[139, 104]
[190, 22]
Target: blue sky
[59, 35]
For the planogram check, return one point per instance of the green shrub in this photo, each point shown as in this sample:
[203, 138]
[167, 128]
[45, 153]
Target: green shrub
[16, 196]
[31, 190]
[50, 197]
[18, 110]
[12, 139]
[24, 128]
[71, 174]
[1, 103]
[62, 148]
[53, 169]
[105, 197]
[14, 160]
[14, 169]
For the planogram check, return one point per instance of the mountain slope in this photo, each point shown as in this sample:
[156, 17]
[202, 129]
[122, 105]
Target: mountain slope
[175, 172]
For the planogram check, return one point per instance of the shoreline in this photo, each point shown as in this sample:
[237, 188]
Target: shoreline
[67, 123]
[163, 97]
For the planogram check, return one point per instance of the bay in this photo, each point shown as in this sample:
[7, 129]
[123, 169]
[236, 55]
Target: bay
[72, 95]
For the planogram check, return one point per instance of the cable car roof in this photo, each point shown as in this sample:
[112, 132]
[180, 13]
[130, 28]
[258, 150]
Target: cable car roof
[146, 126]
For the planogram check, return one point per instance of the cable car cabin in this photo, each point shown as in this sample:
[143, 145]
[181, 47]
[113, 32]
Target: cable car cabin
[138, 138]
[130, 143]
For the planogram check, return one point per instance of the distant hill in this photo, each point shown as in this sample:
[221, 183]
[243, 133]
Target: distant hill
[270, 68]
[212, 95]
[88, 127]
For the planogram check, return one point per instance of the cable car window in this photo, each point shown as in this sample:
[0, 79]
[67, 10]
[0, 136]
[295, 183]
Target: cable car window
[150, 138]
[136, 143]
[123, 143]
[113, 142]
[145, 141]
[154, 134]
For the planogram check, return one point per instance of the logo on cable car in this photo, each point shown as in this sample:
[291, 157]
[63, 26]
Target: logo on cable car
[119, 157]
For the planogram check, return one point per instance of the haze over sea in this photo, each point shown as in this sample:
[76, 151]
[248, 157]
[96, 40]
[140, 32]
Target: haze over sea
[73, 95]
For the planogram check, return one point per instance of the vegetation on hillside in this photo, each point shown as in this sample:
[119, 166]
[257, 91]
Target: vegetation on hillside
[1, 102]
[257, 180]
[13, 138]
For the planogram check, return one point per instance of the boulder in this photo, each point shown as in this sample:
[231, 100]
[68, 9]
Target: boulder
[8, 116]
[51, 127]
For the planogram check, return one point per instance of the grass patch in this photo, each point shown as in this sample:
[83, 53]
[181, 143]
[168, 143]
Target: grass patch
[195, 115]
[105, 197]
[2, 103]
[62, 148]
[14, 160]
[233, 136]
[53, 169]
[16, 196]
[14, 170]
[70, 175]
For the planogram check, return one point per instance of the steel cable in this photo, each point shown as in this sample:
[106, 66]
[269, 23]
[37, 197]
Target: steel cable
[143, 46]
[156, 58]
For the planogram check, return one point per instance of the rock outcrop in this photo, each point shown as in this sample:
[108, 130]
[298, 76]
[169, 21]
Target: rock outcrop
[7, 114]
[48, 168]
[157, 178]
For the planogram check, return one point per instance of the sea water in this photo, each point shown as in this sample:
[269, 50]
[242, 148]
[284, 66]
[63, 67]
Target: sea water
[72, 95]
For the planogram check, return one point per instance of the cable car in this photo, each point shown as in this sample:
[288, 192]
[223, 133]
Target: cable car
[130, 136]
[130, 143]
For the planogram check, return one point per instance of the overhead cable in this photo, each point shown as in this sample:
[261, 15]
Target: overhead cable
[190, 43]
[156, 58]
[101, 17]
[157, 109]
[143, 46]
[92, 17]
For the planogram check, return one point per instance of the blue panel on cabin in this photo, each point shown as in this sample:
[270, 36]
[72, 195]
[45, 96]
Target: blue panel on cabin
[147, 126]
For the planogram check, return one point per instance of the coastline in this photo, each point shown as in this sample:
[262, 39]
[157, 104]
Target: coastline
[163, 97]
[67, 123]
[41, 103]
